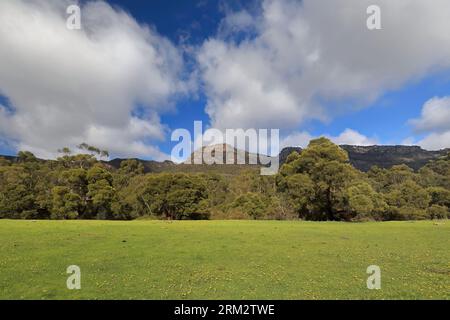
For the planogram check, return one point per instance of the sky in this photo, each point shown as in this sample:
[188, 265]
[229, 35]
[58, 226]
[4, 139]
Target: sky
[137, 70]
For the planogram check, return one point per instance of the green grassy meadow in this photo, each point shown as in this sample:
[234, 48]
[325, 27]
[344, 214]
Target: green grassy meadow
[224, 259]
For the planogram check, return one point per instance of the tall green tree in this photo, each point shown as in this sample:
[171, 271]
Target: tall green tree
[66, 204]
[171, 196]
[17, 199]
[326, 169]
[101, 192]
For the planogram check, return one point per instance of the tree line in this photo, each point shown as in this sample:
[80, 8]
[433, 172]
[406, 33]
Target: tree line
[317, 184]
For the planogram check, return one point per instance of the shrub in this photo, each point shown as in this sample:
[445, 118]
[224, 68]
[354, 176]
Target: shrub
[438, 212]
[439, 196]
[412, 213]
[252, 204]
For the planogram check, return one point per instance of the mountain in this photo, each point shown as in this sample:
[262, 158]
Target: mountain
[386, 156]
[361, 157]
[364, 157]
[169, 166]
[149, 165]
[9, 158]
[285, 152]
[208, 154]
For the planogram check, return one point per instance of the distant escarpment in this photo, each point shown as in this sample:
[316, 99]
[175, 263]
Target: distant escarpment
[361, 157]
[364, 157]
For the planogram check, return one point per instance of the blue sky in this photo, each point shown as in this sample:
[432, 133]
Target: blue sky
[386, 118]
[305, 69]
[197, 20]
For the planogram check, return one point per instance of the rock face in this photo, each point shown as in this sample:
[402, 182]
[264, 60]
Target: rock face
[285, 152]
[386, 156]
[364, 157]
[222, 154]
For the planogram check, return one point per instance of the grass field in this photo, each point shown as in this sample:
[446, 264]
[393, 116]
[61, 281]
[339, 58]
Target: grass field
[224, 259]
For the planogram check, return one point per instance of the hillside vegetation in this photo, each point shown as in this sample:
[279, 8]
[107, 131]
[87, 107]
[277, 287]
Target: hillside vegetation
[317, 184]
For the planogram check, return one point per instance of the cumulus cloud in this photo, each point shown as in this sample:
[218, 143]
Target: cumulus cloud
[66, 87]
[297, 56]
[348, 136]
[435, 116]
[296, 139]
[436, 141]
[435, 123]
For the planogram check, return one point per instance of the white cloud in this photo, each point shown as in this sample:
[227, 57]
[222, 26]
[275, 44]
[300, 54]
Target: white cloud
[409, 141]
[236, 22]
[298, 54]
[348, 136]
[435, 116]
[436, 141]
[68, 87]
[296, 139]
[435, 122]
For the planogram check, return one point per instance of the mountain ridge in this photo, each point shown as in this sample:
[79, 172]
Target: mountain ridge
[383, 156]
[361, 157]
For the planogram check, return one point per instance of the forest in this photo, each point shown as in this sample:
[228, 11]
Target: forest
[317, 184]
